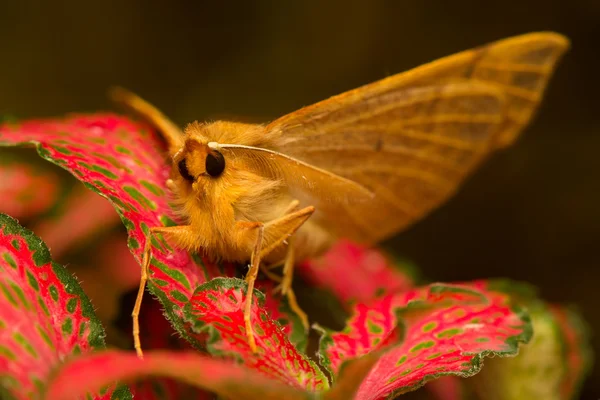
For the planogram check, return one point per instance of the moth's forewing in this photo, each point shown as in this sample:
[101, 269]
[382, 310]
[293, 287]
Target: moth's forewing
[412, 138]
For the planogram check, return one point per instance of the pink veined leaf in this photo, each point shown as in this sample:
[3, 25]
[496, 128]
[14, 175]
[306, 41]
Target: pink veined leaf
[352, 374]
[44, 314]
[225, 378]
[373, 273]
[217, 310]
[355, 273]
[561, 343]
[551, 366]
[442, 329]
[26, 190]
[77, 223]
[125, 162]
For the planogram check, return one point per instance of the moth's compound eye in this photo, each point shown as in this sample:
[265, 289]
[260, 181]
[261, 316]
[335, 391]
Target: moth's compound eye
[184, 171]
[215, 164]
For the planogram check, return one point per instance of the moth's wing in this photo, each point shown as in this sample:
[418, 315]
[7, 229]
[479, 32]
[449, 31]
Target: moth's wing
[519, 66]
[401, 155]
[413, 138]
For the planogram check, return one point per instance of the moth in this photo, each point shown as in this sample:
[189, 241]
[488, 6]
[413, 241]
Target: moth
[363, 165]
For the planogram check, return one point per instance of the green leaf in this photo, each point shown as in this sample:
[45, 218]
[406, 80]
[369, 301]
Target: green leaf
[44, 315]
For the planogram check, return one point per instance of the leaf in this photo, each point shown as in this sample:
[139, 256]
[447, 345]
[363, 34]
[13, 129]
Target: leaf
[117, 263]
[122, 161]
[26, 189]
[108, 277]
[355, 273]
[76, 224]
[552, 366]
[352, 374]
[44, 314]
[125, 162]
[157, 334]
[577, 349]
[442, 329]
[230, 380]
[216, 309]
[159, 388]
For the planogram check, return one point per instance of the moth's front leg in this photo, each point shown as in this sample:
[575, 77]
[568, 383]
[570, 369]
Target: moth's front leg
[245, 231]
[180, 235]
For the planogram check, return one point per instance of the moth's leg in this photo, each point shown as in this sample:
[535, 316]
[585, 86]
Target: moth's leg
[266, 269]
[179, 234]
[250, 280]
[277, 231]
[293, 206]
[151, 114]
[286, 284]
[288, 268]
[284, 227]
[281, 229]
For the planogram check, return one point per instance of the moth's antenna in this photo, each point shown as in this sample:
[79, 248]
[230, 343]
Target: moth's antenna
[214, 145]
[297, 173]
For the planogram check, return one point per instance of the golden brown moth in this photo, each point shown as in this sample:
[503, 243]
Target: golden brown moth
[363, 165]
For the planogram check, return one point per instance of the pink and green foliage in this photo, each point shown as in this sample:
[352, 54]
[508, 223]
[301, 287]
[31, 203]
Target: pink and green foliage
[256, 381]
[220, 304]
[26, 190]
[397, 339]
[44, 316]
[442, 329]
[124, 161]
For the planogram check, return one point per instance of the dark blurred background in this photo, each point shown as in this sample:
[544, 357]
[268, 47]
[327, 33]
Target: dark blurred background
[532, 213]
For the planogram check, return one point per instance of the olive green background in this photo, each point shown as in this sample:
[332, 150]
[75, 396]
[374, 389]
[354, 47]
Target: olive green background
[531, 213]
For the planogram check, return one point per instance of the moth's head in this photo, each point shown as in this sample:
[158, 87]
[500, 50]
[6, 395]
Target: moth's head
[197, 165]
[204, 173]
